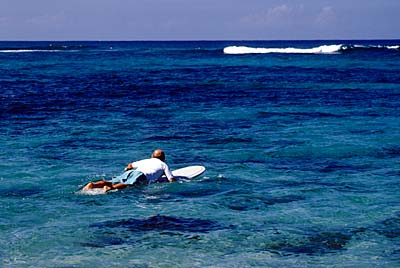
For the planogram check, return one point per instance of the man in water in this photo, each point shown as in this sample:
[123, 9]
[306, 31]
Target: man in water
[143, 171]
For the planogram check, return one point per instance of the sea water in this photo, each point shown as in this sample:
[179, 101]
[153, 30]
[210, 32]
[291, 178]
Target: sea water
[301, 141]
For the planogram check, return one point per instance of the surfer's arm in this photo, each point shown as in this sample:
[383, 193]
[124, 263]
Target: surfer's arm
[168, 173]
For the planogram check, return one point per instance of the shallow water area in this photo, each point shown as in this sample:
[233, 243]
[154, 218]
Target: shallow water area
[301, 149]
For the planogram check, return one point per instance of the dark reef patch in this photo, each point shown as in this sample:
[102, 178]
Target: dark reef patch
[162, 223]
[244, 203]
[316, 244]
[389, 227]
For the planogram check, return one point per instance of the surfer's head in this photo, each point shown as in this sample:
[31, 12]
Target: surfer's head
[159, 154]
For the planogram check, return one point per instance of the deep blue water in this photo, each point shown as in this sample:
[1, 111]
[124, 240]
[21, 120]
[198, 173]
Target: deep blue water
[302, 153]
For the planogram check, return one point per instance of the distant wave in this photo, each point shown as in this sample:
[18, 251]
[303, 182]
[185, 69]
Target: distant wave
[28, 50]
[325, 49]
[41, 48]
[376, 47]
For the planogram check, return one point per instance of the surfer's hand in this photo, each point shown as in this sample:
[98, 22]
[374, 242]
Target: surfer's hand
[129, 167]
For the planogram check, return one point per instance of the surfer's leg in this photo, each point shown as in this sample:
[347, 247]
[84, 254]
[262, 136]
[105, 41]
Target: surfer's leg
[119, 186]
[99, 184]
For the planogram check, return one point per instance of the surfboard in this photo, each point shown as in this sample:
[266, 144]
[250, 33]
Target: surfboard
[185, 173]
[181, 174]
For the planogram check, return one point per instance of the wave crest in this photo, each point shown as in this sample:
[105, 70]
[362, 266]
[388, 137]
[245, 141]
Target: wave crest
[289, 50]
[324, 49]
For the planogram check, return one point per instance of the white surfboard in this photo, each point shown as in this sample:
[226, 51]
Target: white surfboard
[180, 174]
[188, 172]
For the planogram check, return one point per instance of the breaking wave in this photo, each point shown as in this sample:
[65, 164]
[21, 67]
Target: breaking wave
[325, 49]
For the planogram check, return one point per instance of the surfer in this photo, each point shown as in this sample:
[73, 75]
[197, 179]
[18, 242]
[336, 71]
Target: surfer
[143, 171]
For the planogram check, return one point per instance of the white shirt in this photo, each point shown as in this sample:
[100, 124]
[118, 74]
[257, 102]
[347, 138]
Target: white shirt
[153, 168]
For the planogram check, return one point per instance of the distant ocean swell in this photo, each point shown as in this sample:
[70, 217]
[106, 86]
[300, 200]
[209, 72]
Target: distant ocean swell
[325, 49]
[109, 48]
[28, 50]
[41, 48]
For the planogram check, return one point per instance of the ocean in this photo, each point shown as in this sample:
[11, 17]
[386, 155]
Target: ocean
[301, 141]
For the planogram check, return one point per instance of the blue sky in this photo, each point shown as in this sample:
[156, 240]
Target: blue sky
[198, 19]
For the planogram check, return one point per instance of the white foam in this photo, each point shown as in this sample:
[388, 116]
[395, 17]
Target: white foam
[95, 191]
[326, 49]
[393, 47]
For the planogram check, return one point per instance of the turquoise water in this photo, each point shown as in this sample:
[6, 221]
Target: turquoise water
[302, 154]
